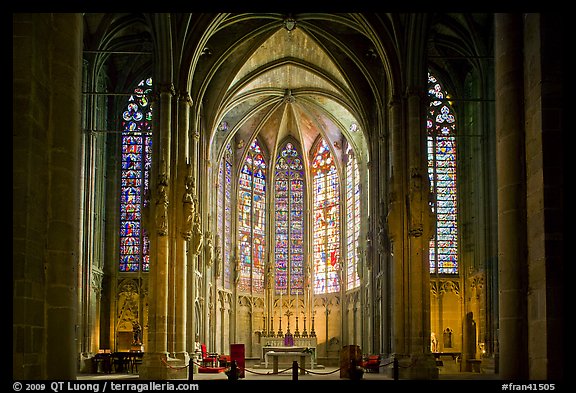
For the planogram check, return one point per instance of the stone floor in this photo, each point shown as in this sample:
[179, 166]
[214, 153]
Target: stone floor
[324, 374]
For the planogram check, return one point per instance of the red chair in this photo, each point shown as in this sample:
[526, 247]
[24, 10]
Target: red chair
[208, 360]
[224, 360]
[371, 363]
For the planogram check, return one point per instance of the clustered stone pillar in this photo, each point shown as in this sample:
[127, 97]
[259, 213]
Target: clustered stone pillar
[46, 186]
[181, 211]
[154, 362]
[511, 196]
[410, 226]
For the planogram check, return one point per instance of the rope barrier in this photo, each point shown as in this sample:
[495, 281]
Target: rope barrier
[172, 367]
[281, 371]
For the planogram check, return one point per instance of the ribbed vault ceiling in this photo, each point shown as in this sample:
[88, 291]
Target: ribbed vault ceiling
[288, 87]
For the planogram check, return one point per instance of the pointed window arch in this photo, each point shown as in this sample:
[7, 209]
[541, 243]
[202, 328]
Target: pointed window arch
[136, 163]
[224, 213]
[441, 129]
[289, 221]
[252, 220]
[352, 218]
[326, 220]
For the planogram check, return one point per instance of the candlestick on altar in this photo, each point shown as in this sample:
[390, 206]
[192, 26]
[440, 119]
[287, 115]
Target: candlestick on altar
[296, 332]
[280, 333]
[312, 332]
[304, 333]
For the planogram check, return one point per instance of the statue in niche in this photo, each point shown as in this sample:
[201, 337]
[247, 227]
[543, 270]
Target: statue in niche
[470, 335]
[237, 270]
[433, 342]
[162, 205]
[415, 197]
[209, 249]
[136, 333]
[196, 239]
[447, 338]
[218, 257]
[188, 207]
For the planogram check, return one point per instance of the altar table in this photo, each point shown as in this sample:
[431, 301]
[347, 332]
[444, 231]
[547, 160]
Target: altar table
[297, 349]
[276, 355]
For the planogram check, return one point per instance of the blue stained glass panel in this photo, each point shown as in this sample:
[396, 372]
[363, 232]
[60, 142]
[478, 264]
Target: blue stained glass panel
[135, 165]
[441, 126]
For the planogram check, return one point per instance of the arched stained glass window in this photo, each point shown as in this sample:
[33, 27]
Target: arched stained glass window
[252, 221]
[136, 162]
[224, 213]
[441, 128]
[326, 221]
[352, 218]
[289, 221]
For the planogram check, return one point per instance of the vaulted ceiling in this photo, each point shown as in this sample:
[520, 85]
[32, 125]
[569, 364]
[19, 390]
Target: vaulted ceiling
[289, 87]
[277, 75]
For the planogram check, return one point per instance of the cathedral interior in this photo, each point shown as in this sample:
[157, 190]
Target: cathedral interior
[391, 182]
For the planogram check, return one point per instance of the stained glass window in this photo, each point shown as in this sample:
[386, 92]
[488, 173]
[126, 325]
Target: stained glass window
[441, 128]
[289, 221]
[352, 218]
[136, 162]
[224, 213]
[326, 221]
[252, 221]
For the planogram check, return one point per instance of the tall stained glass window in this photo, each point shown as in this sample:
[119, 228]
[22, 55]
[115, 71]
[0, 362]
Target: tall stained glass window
[136, 163]
[224, 213]
[441, 127]
[289, 221]
[326, 213]
[252, 220]
[352, 218]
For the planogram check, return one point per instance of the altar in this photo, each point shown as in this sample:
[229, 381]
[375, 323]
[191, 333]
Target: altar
[290, 357]
[288, 354]
[301, 349]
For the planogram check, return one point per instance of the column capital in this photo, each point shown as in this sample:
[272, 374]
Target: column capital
[184, 97]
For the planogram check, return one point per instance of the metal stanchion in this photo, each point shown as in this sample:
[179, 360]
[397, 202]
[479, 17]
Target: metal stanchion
[294, 370]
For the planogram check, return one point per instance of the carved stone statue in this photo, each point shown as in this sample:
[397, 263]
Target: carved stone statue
[196, 238]
[209, 249]
[162, 205]
[136, 333]
[188, 207]
[415, 203]
[237, 270]
[218, 257]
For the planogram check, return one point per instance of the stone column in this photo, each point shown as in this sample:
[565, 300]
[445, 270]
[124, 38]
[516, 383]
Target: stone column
[63, 194]
[154, 366]
[410, 227]
[182, 195]
[395, 226]
[420, 221]
[47, 75]
[510, 165]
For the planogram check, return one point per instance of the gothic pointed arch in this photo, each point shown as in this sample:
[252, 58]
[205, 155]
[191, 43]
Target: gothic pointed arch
[251, 221]
[441, 140]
